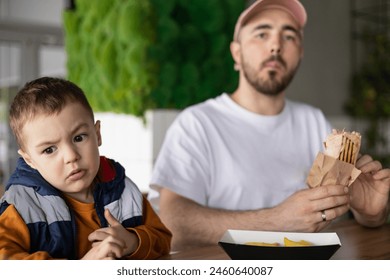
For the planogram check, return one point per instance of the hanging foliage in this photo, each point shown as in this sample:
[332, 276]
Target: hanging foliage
[130, 55]
[193, 51]
[107, 44]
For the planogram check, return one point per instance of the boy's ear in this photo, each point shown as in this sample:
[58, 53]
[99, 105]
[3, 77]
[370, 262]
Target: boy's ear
[26, 158]
[98, 135]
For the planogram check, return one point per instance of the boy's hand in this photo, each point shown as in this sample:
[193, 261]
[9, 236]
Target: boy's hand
[108, 249]
[117, 232]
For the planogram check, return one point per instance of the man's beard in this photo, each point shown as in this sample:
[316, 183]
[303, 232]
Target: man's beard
[270, 86]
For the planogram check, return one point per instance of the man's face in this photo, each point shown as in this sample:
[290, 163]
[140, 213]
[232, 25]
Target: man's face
[63, 148]
[271, 50]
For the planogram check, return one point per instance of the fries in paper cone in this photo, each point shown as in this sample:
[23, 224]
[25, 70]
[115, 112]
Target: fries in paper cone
[336, 165]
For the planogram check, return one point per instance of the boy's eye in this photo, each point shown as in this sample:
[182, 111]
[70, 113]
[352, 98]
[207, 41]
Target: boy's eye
[49, 150]
[79, 138]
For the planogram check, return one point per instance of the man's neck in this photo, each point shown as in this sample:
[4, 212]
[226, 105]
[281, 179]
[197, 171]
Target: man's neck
[259, 103]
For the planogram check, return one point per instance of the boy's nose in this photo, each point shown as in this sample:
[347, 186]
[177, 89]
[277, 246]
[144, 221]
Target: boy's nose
[71, 155]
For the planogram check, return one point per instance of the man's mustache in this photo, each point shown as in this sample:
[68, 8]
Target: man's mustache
[277, 58]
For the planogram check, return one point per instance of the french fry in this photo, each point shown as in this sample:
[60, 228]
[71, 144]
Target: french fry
[291, 243]
[287, 243]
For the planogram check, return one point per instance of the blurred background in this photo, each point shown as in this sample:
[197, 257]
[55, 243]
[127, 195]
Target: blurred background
[141, 62]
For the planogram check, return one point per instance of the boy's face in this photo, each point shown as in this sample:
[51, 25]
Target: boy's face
[63, 148]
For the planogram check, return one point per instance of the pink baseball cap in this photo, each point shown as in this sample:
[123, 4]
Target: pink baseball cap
[294, 7]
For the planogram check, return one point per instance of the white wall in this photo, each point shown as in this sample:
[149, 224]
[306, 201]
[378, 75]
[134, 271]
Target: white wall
[133, 143]
[126, 140]
[323, 78]
[14, 59]
[37, 11]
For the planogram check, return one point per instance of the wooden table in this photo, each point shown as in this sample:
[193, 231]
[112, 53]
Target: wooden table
[357, 243]
[361, 243]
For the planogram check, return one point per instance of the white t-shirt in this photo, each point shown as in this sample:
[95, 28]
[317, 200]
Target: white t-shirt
[223, 156]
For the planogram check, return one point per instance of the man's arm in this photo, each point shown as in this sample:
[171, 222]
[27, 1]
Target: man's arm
[195, 225]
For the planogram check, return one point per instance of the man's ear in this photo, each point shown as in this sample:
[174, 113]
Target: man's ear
[26, 158]
[235, 50]
[98, 134]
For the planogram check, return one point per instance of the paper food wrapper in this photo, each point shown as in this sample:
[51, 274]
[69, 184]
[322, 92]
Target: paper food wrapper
[327, 170]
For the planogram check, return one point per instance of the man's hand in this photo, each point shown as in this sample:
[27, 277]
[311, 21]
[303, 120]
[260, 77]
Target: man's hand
[302, 211]
[116, 236]
[369, 194]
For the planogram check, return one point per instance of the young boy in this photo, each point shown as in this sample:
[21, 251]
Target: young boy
[64, 200]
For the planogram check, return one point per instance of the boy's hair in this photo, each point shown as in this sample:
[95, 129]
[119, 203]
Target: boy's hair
[44, 95]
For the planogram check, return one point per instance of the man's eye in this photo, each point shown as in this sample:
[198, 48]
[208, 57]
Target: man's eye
[262, 35]
[289, 38]
[79, 138]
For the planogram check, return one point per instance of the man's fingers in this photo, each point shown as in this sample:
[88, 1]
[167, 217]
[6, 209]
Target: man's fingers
[327, 191]
[382, 174]
[367, 164]
[363, 160]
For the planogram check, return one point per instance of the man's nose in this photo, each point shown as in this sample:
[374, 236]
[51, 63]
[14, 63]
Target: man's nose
[276, 46]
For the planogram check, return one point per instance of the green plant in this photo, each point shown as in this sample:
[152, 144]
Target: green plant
[133, 55]
[192, 50]
[370, 98]
[107, 44]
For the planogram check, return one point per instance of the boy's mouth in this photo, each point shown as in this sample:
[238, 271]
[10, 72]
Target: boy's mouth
[76, 174]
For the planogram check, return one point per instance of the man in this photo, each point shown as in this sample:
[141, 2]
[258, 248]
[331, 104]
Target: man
[240, 161]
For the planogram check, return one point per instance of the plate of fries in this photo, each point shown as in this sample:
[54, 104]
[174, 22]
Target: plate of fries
[271, 245]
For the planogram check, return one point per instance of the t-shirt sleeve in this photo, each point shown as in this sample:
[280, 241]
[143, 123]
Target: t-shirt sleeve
[183, 161]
